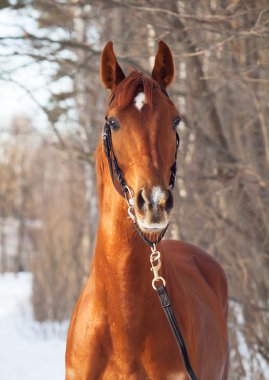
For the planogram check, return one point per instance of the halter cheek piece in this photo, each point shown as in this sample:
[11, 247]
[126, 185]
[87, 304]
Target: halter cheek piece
[112, 161]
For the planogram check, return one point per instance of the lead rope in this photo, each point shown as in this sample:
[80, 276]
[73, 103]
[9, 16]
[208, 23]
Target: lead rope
[155, 261]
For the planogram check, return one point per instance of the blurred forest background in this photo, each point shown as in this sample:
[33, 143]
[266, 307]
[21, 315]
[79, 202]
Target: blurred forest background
[48, 203]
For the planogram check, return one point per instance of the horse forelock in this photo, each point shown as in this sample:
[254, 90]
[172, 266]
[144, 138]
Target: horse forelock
[134, 83]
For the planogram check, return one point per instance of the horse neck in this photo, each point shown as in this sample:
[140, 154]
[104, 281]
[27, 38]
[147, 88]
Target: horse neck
[118, 245]
[121, 258]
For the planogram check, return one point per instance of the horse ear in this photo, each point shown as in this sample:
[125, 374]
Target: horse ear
[163, 70]
[111, 72]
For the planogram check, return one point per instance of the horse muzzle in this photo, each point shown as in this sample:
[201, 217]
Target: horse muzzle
[153, 207]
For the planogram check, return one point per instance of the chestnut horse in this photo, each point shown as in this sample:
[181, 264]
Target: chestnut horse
[118, 329]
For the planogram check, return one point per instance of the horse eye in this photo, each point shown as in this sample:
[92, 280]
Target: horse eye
[176, 122]
[114, 124]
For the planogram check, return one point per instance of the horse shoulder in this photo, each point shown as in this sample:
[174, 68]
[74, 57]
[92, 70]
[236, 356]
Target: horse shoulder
[202, 280]
[88, 337]
[207, 266]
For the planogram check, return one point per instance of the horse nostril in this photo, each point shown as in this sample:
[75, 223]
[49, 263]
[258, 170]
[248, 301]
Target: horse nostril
[157, 200]
[169, 201]
[141, 201]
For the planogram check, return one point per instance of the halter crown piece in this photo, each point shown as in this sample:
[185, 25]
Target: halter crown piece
[155, 258]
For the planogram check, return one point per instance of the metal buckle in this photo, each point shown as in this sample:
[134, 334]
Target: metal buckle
[129, 199]
[155, 260]
[129, 196]
[131, 213]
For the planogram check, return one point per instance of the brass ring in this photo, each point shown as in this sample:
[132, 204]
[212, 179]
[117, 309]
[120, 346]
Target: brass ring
[158, 279]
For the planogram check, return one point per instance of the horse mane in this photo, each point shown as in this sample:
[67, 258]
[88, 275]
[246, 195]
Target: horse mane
[131, 85]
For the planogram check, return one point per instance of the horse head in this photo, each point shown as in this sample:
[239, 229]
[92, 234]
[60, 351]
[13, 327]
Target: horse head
[143, 122]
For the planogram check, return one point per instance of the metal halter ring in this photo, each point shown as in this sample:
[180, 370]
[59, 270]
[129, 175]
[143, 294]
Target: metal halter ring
[160, 278]
[129, 196]
[131, 213]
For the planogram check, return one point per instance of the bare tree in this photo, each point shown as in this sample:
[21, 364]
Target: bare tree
[221, 55]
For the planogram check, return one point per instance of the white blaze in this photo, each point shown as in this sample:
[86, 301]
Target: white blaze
[157, 194]
[139, 100]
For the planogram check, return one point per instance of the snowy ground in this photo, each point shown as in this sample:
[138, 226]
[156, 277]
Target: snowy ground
[28, 350]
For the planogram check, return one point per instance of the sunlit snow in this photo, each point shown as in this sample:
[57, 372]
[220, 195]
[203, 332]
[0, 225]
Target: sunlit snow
[28, 350]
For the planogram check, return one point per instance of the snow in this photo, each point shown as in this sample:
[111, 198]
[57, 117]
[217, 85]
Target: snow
[28, 350]
[250, 364]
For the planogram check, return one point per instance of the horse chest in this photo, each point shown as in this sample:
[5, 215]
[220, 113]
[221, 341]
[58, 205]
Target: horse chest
[153, 357]
[178, 376]
[137, 369]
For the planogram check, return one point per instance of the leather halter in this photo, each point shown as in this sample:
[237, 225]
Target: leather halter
[111, 158]
[114, 167]
[116, 172]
